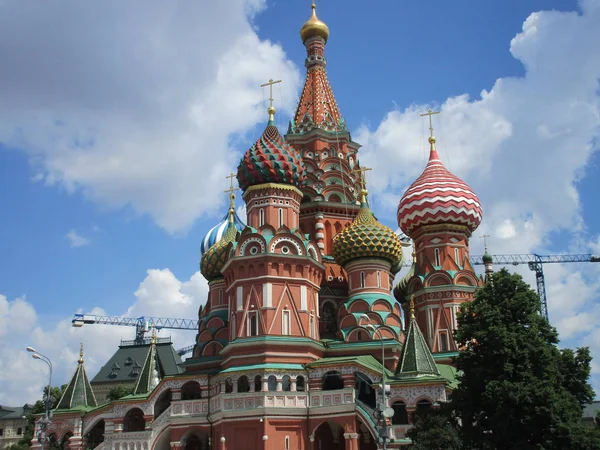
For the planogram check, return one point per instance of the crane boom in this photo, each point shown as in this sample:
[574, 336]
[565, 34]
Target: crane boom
[535, 263]
[141, 324]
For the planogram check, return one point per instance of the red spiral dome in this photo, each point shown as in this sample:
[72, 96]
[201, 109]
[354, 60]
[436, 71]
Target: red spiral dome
[438, 197]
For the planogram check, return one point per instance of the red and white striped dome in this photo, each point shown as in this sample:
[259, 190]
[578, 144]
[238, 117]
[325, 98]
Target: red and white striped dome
[438, 197]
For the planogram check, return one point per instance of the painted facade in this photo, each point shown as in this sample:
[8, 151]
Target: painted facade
[300, 324]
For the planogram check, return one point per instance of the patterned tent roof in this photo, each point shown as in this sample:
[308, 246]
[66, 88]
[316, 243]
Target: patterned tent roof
[151, 372]
[438, 196]
[270, 160]
[215, 234]
[79, 391]
[416, 360]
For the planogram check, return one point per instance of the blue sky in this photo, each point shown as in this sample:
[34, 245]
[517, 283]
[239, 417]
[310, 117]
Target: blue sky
[121, 140]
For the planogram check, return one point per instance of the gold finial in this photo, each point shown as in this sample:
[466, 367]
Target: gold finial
[314, 27]
[363, 182]
[271, 109]
[412, 307]
[81, 353]
[431, 136]
[484, 237]
[153, 338]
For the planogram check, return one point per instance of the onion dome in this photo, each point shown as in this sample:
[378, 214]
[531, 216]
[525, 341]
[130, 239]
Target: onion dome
[270, 160]
[366, 238]
[401, 289]
[216, 233]
[314, 27]
[487, 258]
[214, 259]
[438, 197]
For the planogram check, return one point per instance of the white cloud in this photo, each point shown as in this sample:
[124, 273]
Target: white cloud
[127, 102]
[160, 294]
[523, 146]
[76, 239]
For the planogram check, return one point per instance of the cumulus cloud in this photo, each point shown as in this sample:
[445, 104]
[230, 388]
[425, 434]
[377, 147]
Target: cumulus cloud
[77, 240]
[160, 294]
[127, 102]
[523, 145]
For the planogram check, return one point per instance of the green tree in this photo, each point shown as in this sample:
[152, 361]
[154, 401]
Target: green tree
[119, 391]
[517, 389]
[435, 429]
[39, 407]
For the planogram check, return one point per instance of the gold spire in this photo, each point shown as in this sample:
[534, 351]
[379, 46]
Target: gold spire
[81, 353]
[271, 109]
[231, 191]
[363, 183]
[431, 136]
[412, 307]
[314, 27]
[153, 338]
[484, 237]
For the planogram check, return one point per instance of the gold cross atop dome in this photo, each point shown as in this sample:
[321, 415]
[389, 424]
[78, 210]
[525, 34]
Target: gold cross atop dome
[271, 109]
[363, 182]
[431, 136]
[230, 193]
[484, 237]
[80, 352]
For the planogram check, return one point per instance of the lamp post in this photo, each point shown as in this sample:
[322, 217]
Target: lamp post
[46, 421]
[383, 411]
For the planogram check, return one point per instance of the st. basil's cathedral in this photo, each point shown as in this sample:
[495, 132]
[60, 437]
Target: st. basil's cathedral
[304, 341]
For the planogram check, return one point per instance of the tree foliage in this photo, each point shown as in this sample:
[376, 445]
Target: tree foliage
[39, 407]
[120, 391]
[435, 430]
[517, 390]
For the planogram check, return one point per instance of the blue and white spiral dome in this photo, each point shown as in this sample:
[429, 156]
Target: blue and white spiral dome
[215, 234]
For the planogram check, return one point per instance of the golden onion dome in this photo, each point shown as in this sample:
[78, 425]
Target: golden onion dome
[214, 259]
[314, 27]
[367, 238]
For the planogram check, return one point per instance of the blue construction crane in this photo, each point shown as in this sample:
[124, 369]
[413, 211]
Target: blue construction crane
[535, 263]
[142, 325]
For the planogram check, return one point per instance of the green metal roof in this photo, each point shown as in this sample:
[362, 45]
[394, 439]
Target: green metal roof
[366, 361]
[79, 391]
[265, 366]
[127, 363]
[14, 412]
[416, 360]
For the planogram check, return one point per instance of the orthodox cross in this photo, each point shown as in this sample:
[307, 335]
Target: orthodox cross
[484, 237]
[361, 173]
[430, 113]
[231, 190]
[270, 84]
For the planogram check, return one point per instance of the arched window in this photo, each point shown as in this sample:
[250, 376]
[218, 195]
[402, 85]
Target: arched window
[261, 217]
[134, 420]
[257, 383]
[252, 325]
[364, 389]
[228, 386]
[286, 383]
[423, 405]
[300, 383]
[280, 217]
[362, 279]
[285, 325]
[400, 416]
[378, 278]
[162, 403]
[443, 341]
[456, 256]
[437, 256]
[328, 317]
[191, 391]
[333, 380]
[243, 384]
[272, 383]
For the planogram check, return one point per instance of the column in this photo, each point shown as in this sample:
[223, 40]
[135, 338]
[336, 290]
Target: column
[319, 232]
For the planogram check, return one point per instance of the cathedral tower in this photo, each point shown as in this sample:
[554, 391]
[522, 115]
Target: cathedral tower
[439, 212]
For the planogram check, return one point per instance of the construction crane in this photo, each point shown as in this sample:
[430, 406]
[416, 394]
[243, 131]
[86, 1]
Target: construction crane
[142, 325]
[535, 263]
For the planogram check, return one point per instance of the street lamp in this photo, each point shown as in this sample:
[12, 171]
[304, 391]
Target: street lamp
[384, 412]
[46, 421]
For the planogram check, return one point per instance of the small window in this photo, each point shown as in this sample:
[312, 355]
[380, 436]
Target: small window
[220, 296]
[437, 257]
[272, 383]
[261, 217]
[252, 325]
[359, 336]
[228, 386]
[128, 361]
[280, 217]
[213, 348]
[456, 256]
[285, 326]
[287, 443]
[362, 279]
[311, 326]
[257, 383]
[444, 342]
[378, 278]
[286, 383]
[19, 431]
[233, 336]
[1, 431]
[300, 384]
